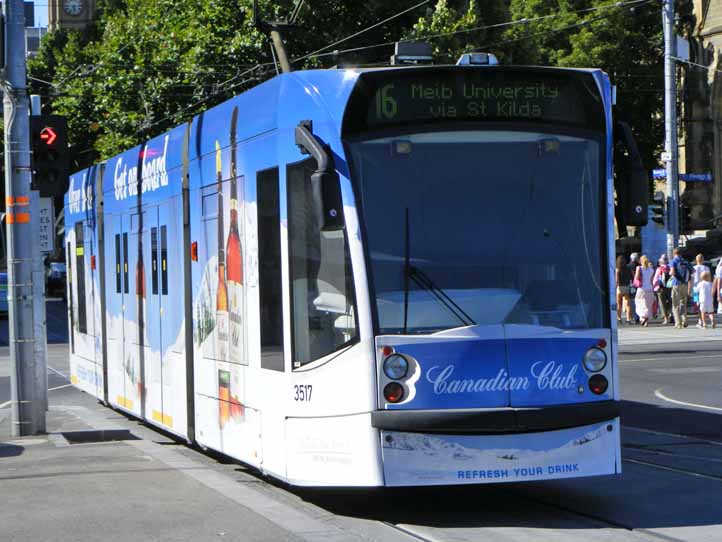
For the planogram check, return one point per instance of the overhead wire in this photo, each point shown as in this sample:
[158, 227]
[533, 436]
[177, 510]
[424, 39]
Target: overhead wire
[363, 31]
[628, 3]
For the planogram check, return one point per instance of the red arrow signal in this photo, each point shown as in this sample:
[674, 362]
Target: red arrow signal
[48, 135]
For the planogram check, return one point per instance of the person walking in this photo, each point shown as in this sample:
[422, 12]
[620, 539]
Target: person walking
[624, 279]
[661, 290]
[717, 286]
[644, 298]
[699, 269]
[633, 265]
[681, 281]
[706, 302]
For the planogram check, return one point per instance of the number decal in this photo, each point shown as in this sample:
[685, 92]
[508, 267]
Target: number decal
[386, 105]
[302, 392]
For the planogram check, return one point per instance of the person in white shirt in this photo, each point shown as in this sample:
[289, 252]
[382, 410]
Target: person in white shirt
[699, 269]
[706, 302]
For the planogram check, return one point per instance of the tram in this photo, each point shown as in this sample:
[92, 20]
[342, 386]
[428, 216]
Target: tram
[363, 277]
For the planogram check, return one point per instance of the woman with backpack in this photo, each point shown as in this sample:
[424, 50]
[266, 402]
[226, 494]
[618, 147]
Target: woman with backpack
[663, 293]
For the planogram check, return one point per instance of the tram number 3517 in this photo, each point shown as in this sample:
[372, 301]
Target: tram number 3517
[302, 392]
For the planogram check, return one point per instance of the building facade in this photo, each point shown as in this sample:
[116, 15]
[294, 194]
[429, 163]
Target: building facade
[75, 14]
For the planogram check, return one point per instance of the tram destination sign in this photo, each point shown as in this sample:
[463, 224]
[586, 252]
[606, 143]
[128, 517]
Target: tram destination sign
[386, 98]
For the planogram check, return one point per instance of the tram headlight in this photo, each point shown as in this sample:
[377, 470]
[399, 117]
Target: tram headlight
[396, 367]
[595, 360]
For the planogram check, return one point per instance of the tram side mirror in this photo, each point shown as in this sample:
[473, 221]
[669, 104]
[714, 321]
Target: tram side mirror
[326, 186]
[631, 179]
[330, 195]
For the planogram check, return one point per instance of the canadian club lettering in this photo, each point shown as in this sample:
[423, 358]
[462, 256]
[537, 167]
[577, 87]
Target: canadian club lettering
[234, 260]
[221, 293]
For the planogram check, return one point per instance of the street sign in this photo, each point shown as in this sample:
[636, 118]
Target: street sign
[666, 156]
[47, 222]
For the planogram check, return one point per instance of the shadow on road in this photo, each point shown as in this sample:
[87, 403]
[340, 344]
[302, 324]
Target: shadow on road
[642, 498]
[10, 450]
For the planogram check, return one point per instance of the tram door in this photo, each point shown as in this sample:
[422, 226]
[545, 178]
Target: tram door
[159, 320]
[117, 284]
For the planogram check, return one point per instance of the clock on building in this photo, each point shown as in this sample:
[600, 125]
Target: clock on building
[73, 7]
[76, 14]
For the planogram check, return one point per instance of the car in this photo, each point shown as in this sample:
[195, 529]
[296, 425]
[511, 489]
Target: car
[55, 278]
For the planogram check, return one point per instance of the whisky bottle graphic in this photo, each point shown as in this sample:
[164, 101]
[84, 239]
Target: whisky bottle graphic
[221, 292]
[224, 397]
[234, 261]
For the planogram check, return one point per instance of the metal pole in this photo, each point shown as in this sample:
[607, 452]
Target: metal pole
[39, 316]
[277, 40]
[670, 126]
[27, 411]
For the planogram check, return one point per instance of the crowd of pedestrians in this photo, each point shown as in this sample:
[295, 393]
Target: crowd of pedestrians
[645, 292]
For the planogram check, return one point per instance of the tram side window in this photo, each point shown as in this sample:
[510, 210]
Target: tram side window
[164, 260]
[69, 257]
[80, 271]
[322, 293]
[117, 262]
[269, 269]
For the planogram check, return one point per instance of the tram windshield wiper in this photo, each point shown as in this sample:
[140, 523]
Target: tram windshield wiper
[424, 282]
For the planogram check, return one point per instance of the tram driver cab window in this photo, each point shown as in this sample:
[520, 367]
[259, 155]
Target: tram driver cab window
[322, 293]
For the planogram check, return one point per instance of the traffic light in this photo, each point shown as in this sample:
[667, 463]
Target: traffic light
[51, 162]
[685, 219]
[659, 208]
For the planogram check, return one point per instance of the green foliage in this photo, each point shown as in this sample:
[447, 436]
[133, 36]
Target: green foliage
[625, 42]
[455, 27]
[148, 65]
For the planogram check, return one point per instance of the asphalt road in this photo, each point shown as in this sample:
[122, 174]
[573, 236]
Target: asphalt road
[671, 488]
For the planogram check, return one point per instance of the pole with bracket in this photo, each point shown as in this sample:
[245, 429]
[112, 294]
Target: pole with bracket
[27, 410]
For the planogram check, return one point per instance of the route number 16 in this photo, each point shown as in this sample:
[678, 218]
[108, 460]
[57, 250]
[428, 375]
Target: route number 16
[386, 105]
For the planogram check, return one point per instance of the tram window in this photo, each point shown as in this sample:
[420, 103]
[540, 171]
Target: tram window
[154, 260]
[69, 258]
[163, 260]
[322, 294]
[80, 270]
[269, 269]
[117, 263]
[126, 286]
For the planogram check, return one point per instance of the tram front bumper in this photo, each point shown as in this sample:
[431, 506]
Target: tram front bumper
[412, 459]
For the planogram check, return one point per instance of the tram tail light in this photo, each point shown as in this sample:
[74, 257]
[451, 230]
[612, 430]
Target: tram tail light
[194, 251]
[387, 350]
[598, 384]
[602, 343]
[393, 392]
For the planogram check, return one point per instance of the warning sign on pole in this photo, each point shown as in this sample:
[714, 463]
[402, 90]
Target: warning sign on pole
[47, 221]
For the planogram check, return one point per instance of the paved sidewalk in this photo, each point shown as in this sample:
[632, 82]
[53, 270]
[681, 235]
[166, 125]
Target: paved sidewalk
[99, 475]
[656, 333]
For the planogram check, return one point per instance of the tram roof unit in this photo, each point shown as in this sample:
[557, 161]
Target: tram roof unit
[278, 103]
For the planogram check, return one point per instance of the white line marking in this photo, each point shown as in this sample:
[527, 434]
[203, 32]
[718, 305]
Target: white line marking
[59, 387]
[660, 395]
[6, 404]
[57, 372]
[663, 434]
[672, 469]
[689, 357]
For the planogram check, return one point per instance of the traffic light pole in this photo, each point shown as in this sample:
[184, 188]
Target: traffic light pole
[27, 408]
[670, 126]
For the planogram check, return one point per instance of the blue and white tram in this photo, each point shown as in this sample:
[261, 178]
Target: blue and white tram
[355, 277]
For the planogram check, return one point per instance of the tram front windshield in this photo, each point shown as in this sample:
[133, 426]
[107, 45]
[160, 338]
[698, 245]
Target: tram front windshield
[483, 227]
